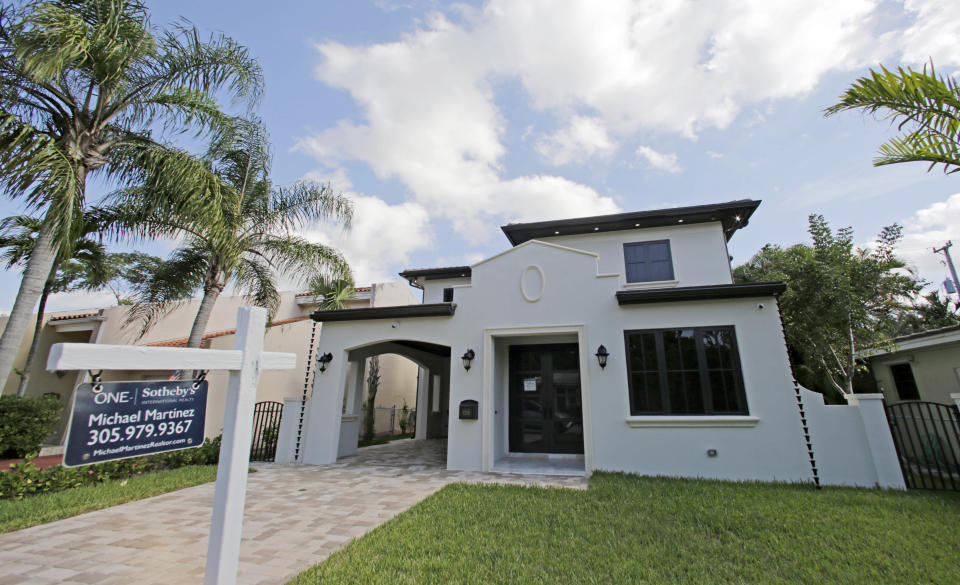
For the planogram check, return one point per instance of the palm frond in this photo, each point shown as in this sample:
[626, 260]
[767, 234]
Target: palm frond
[255, 278]
[174, 281]
[920, 103]
[293, 255]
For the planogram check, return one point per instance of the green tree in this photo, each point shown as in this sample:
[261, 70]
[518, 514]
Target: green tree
[839, 298]
[121, 273]
[924, 106]
[928, 312]
[335, 292]
[82, 84]
[245, 243]
[81, 270]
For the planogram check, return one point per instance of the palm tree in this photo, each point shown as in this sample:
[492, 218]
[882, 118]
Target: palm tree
[244, 243]
[925, 106]
[81, 270]
[334, 292]
[82, 84]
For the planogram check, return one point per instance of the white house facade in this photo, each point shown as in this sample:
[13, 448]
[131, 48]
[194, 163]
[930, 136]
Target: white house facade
[615, 343]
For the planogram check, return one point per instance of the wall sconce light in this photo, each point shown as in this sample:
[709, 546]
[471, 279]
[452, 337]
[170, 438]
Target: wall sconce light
[602, 355]
[325, 359]
[467, 358]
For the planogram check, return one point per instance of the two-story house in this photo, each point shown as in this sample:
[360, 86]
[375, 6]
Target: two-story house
[617, 342]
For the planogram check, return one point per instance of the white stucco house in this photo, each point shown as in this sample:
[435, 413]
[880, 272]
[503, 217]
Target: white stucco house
[617, 342]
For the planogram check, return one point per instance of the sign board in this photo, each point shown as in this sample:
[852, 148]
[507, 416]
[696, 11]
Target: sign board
[116, 420]
[529, 384]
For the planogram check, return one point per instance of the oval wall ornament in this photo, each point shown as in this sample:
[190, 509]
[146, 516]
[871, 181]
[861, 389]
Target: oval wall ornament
[532, 291]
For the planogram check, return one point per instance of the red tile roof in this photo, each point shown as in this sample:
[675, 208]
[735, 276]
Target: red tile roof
[77, 316]
[356, 288]
[182, 341]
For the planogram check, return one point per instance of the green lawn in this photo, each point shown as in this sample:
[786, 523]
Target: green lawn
[43, 508]
[632, 530]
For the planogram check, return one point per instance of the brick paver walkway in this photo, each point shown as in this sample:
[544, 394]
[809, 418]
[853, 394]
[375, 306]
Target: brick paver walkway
[295, 517]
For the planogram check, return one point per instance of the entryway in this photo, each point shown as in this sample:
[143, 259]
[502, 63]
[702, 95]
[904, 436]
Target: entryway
[546, 407]
[538, 405]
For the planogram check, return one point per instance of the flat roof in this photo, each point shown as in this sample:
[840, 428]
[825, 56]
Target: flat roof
[398, 312]
[700, 293]
[732, 214]
[436, 273]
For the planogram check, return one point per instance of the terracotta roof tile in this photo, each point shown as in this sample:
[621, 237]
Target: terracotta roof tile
[182, 341]
[77, 316]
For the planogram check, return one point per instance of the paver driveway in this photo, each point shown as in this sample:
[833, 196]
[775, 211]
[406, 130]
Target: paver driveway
[295, 517]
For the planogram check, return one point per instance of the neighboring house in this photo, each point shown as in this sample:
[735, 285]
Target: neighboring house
[291, 331]
[922, 366]
[696, 381]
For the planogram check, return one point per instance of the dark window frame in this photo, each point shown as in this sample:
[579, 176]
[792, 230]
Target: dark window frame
[448, 294]
[897, 386]
[626, 263]
[705, 387]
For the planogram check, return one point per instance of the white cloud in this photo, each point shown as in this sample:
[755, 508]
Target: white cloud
[582, 139]
[604, 71]
[713, 154]
[934, 33]
[382, 236]
[930, 228]
[659, 161]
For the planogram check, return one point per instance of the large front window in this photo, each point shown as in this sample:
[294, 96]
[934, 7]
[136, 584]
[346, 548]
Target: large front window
[691, 370]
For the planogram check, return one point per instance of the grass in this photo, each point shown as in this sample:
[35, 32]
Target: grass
[43, 508]
[632, 530]
[383, 439]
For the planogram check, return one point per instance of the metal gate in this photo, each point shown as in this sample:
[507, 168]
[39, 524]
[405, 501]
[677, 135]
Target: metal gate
[927, 437]
[266, 428]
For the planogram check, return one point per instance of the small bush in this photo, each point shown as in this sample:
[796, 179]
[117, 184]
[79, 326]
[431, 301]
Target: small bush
[25, 422]
[26, 479]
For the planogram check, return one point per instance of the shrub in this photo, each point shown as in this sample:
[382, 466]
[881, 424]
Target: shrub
[26, 479]
[25, 422]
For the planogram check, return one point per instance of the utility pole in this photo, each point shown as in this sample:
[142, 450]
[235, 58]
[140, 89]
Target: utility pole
[953, 271]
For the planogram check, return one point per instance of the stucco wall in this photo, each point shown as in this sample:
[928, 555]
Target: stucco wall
[574, 296]
[936, 370]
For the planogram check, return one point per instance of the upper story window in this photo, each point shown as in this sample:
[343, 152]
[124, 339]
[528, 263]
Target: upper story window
[648, 261]
[689, 371]
[448, 295]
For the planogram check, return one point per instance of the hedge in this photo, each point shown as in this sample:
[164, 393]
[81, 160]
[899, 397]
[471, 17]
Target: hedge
[26, 479]
[25, 422]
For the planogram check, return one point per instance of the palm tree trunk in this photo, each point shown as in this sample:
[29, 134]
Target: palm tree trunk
[37, 330]
[31, 287]
[210, 293]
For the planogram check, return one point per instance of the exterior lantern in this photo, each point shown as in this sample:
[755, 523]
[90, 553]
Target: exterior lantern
[467, 358]
[602, 355]
[325, 359]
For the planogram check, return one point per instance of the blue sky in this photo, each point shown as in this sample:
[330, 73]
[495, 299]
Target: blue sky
[444, 122]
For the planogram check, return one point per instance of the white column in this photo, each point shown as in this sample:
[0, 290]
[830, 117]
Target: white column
[223, 553]
[879, 439]
[423, 394]
[321, 430]
[287, 436]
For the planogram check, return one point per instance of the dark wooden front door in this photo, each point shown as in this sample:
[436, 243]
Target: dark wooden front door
[546, 407]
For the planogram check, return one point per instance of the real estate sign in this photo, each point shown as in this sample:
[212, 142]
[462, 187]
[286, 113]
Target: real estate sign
[116, 420]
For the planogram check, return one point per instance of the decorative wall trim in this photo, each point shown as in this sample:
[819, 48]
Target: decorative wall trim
[659, 421]
[523, 284]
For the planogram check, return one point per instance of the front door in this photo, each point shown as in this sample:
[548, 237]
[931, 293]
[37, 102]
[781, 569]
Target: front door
[546, 407]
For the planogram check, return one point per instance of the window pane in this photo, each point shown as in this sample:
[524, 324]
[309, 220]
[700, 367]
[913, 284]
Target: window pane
[724, 391]
[643, 351]
[646, 392]
[718, 346]
[648, 261]
[680, 349]
[686, 395]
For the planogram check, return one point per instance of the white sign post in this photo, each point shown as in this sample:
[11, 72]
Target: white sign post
[244, 362]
